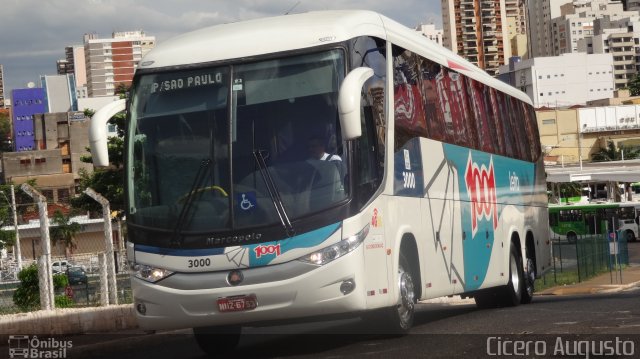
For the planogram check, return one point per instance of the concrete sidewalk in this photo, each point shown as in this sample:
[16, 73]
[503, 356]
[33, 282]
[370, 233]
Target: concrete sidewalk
[605, 283]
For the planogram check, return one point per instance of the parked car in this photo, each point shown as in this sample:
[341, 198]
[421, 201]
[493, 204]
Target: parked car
[60, 266]
[76, 275]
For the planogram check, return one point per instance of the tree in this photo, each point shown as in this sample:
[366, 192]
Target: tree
[64, 231]
[24, 204]
[611, 153]
[634, 86]
[27, 294]
[5, 132]
[109, 182]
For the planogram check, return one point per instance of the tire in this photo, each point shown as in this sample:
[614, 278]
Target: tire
[398, 319]
[512, 292]
[215, 341]
[486, 299]
[572, 237]
[630, 236]
[529, 279]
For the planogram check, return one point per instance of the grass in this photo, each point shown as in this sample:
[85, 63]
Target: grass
[568, 278]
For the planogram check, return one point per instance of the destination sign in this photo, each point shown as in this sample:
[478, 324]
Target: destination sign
[185, 82]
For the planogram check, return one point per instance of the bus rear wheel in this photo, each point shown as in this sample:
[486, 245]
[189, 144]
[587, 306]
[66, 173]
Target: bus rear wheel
[572, 237]
[215, 341]
[529, 279]
[513, 291]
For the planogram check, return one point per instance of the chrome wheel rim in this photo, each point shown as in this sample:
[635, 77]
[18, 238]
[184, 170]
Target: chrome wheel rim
[407, 299]
[530, 275]
[515, 278]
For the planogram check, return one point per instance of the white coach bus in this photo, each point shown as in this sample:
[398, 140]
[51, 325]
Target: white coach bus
[324, 163]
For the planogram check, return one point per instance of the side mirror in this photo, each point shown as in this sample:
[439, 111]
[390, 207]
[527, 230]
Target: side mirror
[349, 102]
[98, 132]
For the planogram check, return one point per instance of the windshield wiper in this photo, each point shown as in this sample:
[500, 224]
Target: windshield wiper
[274, 193]
[177, 239]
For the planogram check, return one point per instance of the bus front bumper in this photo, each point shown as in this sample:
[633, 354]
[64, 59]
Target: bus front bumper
[316, 292]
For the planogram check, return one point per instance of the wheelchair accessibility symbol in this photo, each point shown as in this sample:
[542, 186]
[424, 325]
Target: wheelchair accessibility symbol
[246, 201]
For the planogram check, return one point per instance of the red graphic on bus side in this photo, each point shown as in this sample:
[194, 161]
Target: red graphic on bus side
[270, 249]
[481, 186]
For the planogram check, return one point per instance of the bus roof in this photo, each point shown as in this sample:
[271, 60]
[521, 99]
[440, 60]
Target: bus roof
[263, 36]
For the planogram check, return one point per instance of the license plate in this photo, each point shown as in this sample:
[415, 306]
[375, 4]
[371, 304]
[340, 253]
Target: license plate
[237, 303]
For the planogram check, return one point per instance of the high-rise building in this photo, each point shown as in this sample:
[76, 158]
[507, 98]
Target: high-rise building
[60, 93]
[477, 31]
[539, 16]
[111, 62]
[517, 27]
[2, 105]
[619, 38]
[73, 63]
[577, 21]
[26, 103]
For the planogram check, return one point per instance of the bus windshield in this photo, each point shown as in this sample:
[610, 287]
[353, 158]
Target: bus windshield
[202, 140]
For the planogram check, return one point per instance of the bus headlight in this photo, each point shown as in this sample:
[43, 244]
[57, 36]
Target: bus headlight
[149, 273]
[335, 251]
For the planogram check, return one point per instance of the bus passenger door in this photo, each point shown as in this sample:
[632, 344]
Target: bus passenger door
[441, 223]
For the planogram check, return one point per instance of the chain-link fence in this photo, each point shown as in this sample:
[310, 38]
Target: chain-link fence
[75, 257]
[586, 256]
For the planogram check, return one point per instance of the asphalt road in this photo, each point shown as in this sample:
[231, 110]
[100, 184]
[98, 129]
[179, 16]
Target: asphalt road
[440, 330]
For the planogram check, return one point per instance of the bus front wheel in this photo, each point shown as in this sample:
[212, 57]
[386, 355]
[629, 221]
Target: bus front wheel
[215, 341]
[572, 237]
[398, 319]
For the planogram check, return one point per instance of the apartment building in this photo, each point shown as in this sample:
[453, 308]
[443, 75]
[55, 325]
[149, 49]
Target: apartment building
[621, 39]
[517, 27]
[74, 63]
[60, 140]
[539, 16]
[477, 31]
[549, 82]
[112, 61]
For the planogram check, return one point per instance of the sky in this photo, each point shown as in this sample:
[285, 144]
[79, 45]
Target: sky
[34, 33]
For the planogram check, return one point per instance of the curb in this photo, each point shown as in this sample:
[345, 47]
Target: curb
[69, 321]
[591, 289]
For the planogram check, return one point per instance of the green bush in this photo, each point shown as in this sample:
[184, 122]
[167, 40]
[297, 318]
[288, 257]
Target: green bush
[62, 301]
[27, 295]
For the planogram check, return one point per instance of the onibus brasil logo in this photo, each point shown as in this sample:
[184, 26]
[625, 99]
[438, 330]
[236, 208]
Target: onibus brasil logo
[24, 346]
[481, 187]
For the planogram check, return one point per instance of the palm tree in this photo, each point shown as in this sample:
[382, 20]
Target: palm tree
[611, 153]
[64, 231]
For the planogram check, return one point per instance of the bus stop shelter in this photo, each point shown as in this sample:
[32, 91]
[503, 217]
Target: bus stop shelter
[609, 173]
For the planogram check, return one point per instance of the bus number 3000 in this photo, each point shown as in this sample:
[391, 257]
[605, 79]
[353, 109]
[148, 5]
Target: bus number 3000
[195, 263]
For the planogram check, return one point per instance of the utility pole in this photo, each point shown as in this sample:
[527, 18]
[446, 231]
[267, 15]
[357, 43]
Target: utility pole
[108, 240]
[18, 252]
[45, 273]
